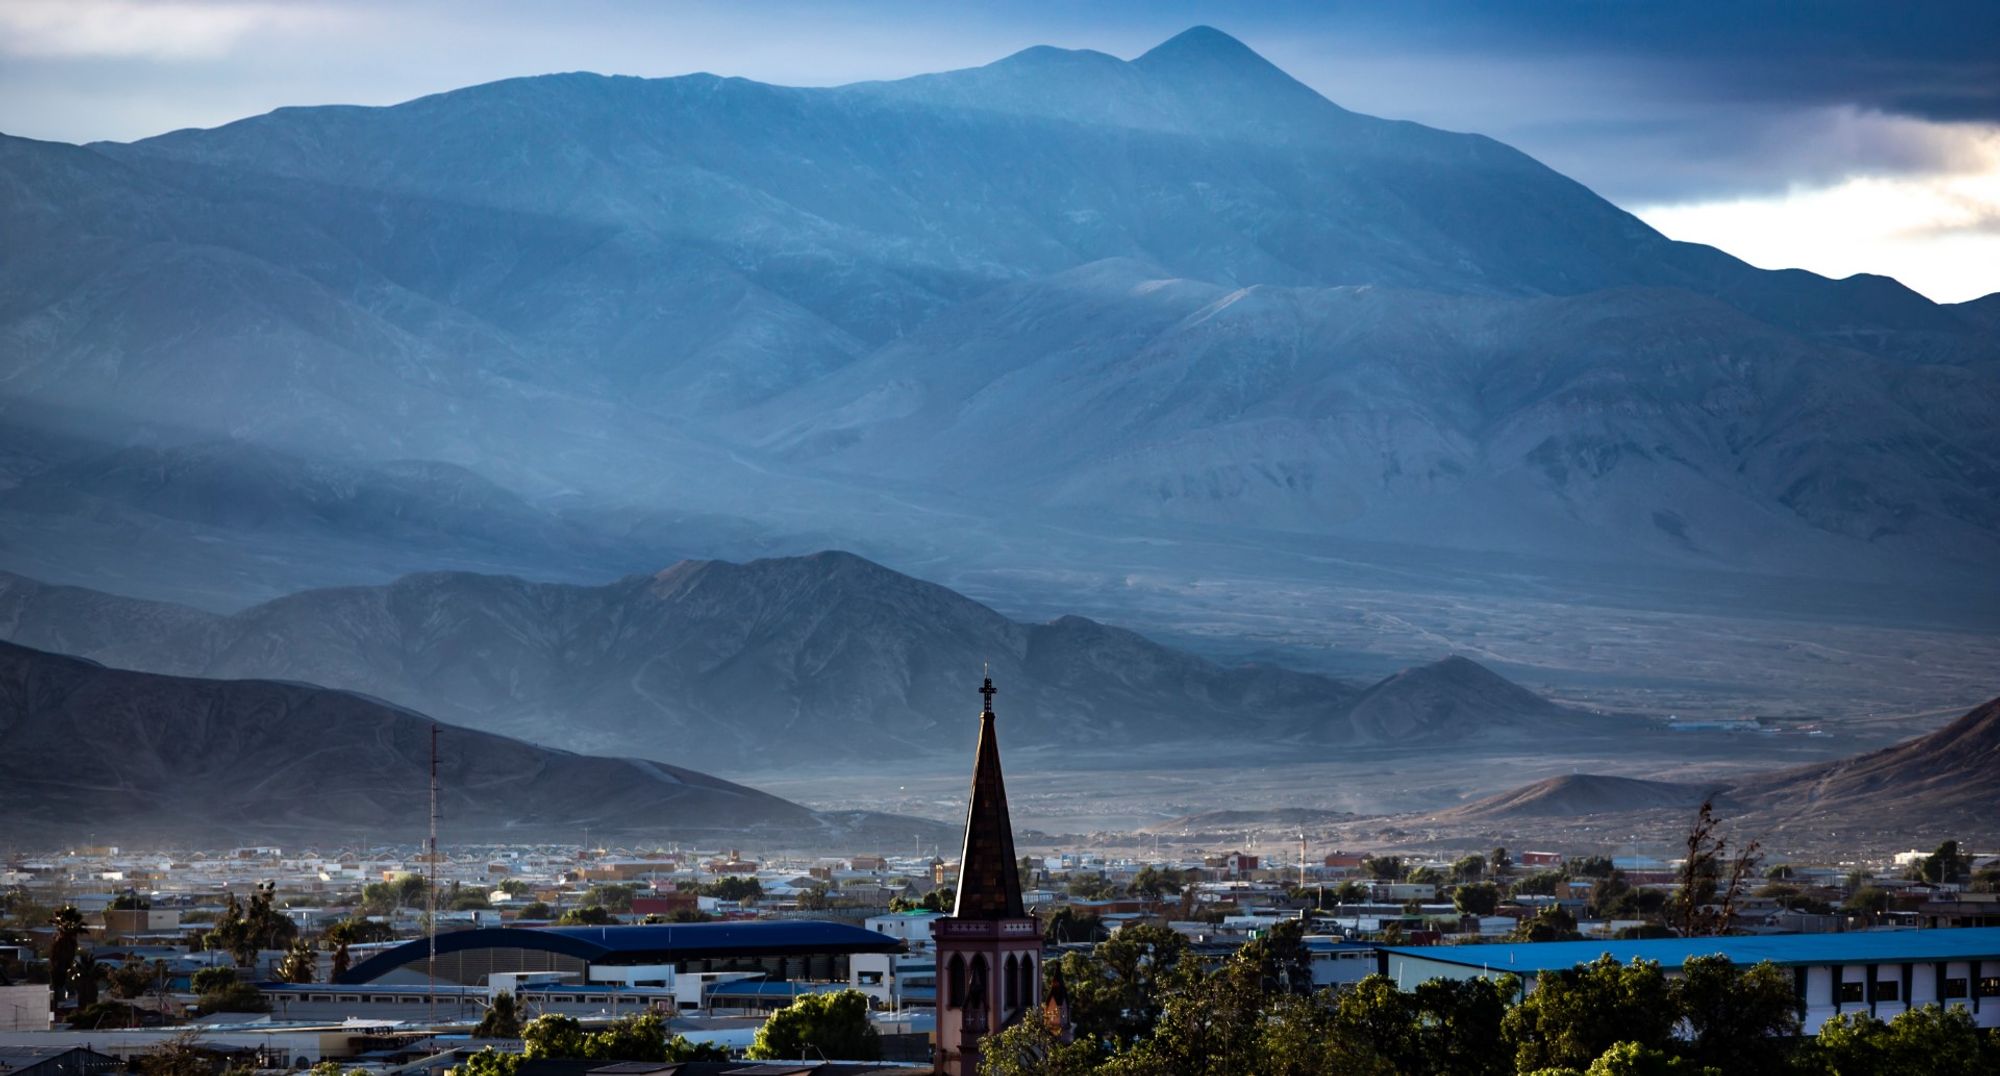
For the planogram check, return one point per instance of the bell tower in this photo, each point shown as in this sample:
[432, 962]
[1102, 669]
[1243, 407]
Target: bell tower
[989, 949]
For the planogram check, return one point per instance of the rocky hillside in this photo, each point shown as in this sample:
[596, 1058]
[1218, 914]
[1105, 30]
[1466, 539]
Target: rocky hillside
[1573, 795]
[1945, 782]
[206, 761]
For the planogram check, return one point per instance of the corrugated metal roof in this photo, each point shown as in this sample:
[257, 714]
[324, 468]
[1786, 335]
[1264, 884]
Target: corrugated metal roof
[1858, 947]
[662, 943]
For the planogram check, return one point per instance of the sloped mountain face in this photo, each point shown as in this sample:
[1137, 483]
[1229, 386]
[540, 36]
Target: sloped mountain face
[1182, 288]
[1576, 794]
[1946, 782]
[765, 664]
[202, 760]
[1457, 700]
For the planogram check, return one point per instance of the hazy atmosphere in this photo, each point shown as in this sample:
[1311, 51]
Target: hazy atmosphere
[619, 465]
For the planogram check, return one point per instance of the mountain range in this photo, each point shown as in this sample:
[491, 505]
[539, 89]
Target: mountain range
[178, 760]
[695, 315]
[774, 663]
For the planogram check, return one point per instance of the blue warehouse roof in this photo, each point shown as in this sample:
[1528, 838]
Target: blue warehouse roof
[1861, 947]
[663, 943]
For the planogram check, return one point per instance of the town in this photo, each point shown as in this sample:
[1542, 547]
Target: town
[514, 958]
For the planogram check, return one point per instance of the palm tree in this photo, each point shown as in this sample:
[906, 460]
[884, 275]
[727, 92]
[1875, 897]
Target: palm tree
[88, 974]
[299, 964]
[69, 926]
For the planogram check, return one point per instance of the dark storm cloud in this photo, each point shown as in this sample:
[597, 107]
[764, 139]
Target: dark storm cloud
[1937, 61]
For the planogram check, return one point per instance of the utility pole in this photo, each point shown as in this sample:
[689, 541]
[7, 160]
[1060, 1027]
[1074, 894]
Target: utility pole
[430, 882]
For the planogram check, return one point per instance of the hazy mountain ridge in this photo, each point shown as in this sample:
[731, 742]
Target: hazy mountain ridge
[768, 664]
[201, 760]
[579, 284]
[1942, 784]
[1578, 794]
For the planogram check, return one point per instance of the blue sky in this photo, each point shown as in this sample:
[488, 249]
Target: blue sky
[1835, 136]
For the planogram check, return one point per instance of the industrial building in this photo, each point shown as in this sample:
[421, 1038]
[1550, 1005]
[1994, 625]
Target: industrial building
[1881, 973]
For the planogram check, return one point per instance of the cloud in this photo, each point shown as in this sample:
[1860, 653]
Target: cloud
[1936, 231]
[166, 29]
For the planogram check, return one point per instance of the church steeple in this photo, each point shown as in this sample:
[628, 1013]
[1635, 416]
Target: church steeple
[989, 950]
[989, 874]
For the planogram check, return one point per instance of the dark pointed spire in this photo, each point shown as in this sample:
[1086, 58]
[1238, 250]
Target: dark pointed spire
[989, 875]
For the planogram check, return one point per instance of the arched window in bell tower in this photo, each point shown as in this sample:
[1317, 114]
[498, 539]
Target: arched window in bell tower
[1030, 983]
[1010, 997]
[955, 992]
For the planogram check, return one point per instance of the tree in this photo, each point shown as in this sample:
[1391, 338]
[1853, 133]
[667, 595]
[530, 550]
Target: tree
[1590, 867]
[1922, 1040]
[1476, 898]
[815, 898]
[1868, 900]
[1348, 893]
[237, 996]
[502, 1019]
[1070, 925]
[1469, 868]
[1946, 866]
[487, 1062]
[299, 964]
[1540, 883]
[1459, 1023]
[1499, 862]
[134, 977]
[937, 900]
[1551, 923]
[1739, 1020]
[210, 980]
[1710, 879]
[1089, 887]
[552, 1035]
[1032, 1048]
[1135, 963]
[593, 916]
[1427, 876]
[832, 1025]
[103, 1016]
[1382, 1022]
[1154, 883]
[735, 888]
[617, 898]
[1574, 1015]
[1634, 1059]
[1278, 957]
[69, 926]
[1383, 868]
[1210, 1024]
[89, 973]
[536, 910]
[177, 1055]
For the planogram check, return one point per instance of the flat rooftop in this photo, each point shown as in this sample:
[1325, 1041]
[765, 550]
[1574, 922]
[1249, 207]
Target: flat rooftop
[1856, 947]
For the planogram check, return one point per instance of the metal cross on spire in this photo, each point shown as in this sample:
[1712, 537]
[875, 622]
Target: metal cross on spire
[987, 690]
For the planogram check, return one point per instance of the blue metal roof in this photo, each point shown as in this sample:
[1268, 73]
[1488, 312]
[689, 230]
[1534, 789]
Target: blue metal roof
[1859, 947]
[663, 943]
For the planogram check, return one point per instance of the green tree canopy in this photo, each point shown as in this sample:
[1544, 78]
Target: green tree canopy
[833, 1026]
[734, 888]
[1576, 1014]
[1476, 898]
[502, 1019]
[1739, 1019]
